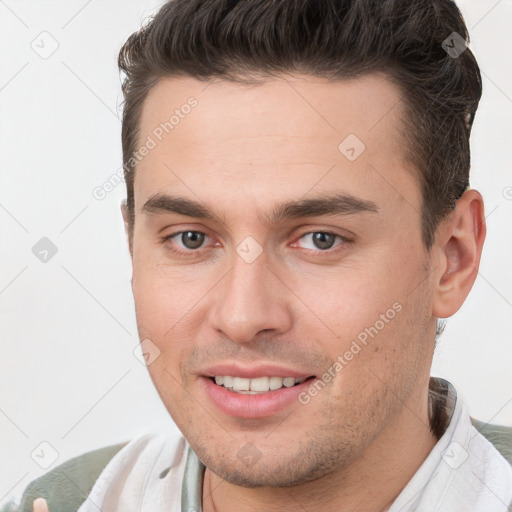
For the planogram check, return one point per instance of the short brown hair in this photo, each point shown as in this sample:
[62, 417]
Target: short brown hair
[408, 40]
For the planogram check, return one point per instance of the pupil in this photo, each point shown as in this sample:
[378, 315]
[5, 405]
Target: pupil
[323, 240]
[192, 239]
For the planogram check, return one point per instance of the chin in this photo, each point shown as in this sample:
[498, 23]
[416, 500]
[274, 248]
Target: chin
[266, 476]
[285, 469]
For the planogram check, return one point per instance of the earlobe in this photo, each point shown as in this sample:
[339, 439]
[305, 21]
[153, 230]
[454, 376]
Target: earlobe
[460, 240]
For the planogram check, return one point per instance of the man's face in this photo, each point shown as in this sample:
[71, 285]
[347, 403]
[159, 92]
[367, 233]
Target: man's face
[259, 291]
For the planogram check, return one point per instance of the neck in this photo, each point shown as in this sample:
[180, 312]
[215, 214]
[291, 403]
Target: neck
[370, 483]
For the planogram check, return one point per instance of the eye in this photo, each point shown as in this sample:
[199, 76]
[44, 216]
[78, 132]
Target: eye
[321, 240]
[187, 240]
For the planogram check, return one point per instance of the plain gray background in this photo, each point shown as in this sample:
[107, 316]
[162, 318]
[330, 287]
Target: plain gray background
[69, 375]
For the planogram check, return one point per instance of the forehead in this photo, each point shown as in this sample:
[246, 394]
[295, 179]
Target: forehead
[286, 135]
[299, 106]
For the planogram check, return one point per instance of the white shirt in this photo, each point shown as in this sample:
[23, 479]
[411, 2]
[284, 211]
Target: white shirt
[462, 473]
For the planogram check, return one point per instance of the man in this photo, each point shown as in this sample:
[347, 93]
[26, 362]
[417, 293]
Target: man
[299, 219]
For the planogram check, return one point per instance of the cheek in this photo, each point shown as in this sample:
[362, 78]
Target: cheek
[348, 299]
[171, 306]
[369, 309]
[163, 295]
[161, 309]
[153, 302]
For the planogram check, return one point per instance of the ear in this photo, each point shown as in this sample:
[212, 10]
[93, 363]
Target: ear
[459, 241]
[128, 227]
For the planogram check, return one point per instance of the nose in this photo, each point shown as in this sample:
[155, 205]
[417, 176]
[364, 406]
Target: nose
[249, 300]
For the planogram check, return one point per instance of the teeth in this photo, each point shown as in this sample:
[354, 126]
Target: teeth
[257, 385]
[288, 382]
[276, 383]
[241, 384]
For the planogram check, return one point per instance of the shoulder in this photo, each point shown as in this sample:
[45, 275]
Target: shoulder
[66, 487]
[94, 474]
[497, 435]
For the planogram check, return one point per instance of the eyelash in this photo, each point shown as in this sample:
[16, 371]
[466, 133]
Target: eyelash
[315, 253]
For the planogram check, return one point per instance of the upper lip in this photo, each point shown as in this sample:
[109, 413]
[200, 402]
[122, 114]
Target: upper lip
[252, 372]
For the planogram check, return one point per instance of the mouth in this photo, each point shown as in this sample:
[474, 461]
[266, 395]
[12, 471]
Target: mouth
[255, 396]
[256, 386]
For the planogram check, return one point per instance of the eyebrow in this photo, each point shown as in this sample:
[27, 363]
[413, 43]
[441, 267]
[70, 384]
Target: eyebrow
[327, 204]
[330, 204]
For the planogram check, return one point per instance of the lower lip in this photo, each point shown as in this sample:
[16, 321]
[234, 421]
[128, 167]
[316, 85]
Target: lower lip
[261, 405]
